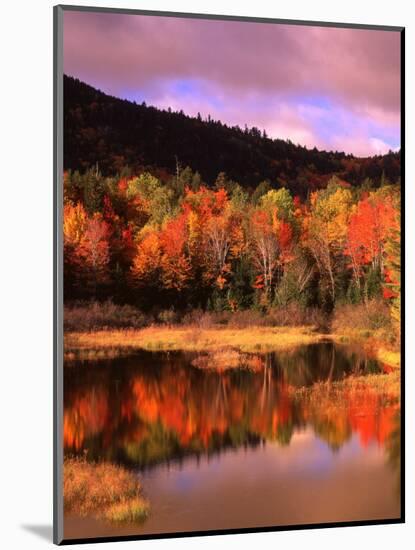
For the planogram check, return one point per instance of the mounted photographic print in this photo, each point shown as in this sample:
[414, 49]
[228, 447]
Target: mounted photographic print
[228, 274]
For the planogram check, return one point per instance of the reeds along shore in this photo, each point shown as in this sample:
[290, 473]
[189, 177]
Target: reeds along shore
[103, 490]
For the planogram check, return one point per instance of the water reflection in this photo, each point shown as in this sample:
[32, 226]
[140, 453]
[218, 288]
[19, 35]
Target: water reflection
[156, 407]
[256, 440]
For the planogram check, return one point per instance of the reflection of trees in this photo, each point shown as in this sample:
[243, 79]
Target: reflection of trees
[156, 444]
[160, 411]
[335, 415]
[266, 384]
[321, 362]
[87, 417]
[220, 405]
[393, 449]
[334, 433]
[332, 364]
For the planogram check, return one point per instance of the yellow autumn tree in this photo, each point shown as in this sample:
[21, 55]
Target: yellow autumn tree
[75, 221]
[325, 232]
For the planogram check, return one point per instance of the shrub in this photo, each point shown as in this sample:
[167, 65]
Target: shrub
[293, 314]
[198, 318]
[247, 318]
[371, 316]
[94, 316]
[206, 319]
[167, 317]
[90, 316]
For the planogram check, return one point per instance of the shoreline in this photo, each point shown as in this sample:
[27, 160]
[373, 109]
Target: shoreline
[114, 343]
[194, 339]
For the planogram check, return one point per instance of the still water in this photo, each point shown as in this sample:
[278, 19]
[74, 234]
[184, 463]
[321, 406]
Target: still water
[237, 448]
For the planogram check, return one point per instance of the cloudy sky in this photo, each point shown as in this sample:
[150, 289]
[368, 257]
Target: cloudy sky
[336, 89]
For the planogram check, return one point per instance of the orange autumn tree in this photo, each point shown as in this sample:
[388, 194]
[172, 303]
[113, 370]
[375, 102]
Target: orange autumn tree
[145, 269]
[174, 262]
[161, 258]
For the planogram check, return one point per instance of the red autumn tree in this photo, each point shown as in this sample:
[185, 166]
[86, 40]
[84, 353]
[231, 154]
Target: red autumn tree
[367, 233]
[93, 252]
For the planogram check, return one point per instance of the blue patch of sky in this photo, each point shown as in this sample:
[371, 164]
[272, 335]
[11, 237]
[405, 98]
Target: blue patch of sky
[326, 458]
[195, 89]
[331, 119]
[181, 89]
[185, 481]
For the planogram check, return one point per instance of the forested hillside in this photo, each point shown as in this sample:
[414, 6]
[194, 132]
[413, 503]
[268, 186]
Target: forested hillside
[114, 134]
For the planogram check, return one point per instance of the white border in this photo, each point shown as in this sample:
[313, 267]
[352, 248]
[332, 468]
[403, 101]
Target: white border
[26, 284]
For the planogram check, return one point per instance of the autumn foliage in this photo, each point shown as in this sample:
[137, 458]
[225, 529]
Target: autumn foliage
[179, 244]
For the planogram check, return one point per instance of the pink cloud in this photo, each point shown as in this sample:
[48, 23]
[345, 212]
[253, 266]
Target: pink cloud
[241, 64]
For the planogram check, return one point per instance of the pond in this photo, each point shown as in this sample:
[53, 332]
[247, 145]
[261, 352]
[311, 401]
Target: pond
[237, 448]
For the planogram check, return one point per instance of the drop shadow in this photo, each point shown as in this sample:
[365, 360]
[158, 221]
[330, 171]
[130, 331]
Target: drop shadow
[45, 532]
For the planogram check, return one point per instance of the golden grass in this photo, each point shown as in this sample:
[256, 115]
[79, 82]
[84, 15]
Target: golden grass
[384, 385]
[85, 354]
[227, 359]
[103, 490]
[374, 343]
[255, 339]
